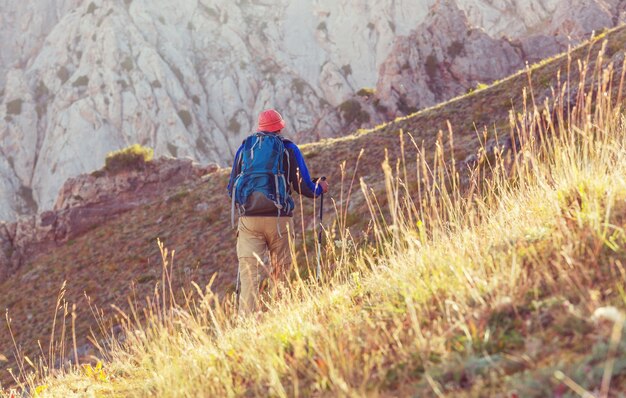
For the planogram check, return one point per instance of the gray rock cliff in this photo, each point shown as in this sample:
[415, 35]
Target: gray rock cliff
[81, 78]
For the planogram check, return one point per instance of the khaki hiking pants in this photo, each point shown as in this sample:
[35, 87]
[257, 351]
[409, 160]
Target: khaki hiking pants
[256, 236]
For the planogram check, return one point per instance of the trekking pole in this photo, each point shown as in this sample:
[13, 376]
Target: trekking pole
[319, 235]
[237, 290]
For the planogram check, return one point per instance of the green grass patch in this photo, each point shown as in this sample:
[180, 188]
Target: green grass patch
[134, 157]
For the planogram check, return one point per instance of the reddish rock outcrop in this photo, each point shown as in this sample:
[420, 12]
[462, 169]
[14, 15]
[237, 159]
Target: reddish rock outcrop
[91, 199]
[443, 57]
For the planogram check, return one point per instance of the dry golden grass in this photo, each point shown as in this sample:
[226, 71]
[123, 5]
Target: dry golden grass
[507, 279]
[510, 283]
[120, 258]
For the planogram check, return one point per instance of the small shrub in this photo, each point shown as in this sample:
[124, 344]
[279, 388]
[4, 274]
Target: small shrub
[156, 84]
[312, 153]
[185, 117]
[431, 66]
[324, 103]
[173, 149]
[98, 173]
[455, 49]
[212, 12]
[127, 64]
[15, 107]
[211, 217]
[346, 70]
[380, 108]
[366, 92]
[350, 107]
[479, 86]
[178, 196]
[26, 194]
[92, 8]
[404, 107]
[179, 74]
[134, 157]
[63, 74]
[145, 278]
[234, 126]
[322, 26]
[351, 111]
[81, 81]
[202, 145]
[298, 86]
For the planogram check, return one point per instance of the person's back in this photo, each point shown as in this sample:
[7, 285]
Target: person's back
[266, 169]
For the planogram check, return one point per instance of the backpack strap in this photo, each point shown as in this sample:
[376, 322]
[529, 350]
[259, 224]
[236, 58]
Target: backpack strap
[258, 139]
[234, 192]
[286, 154]
[232, 207]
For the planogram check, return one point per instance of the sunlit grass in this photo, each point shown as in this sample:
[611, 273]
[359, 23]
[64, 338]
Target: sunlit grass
[444, 295]
[132, 157]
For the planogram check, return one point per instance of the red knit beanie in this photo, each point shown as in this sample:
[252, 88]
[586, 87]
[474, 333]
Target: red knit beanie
[271, 121]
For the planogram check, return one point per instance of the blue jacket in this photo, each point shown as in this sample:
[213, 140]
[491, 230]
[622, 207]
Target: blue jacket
[298, 179]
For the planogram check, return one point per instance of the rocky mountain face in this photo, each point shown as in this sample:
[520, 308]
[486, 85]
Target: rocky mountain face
[450, 52]
[81, 78]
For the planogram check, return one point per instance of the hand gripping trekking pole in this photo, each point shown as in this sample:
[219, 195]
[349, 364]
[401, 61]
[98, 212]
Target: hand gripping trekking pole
[319, 235]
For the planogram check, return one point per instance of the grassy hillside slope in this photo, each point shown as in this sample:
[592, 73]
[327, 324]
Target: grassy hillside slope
[452, 294]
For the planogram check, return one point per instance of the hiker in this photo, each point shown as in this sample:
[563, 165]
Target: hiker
[266, 168]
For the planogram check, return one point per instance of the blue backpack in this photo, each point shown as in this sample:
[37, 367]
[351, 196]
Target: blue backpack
[262, 170]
